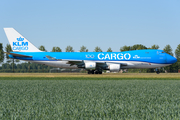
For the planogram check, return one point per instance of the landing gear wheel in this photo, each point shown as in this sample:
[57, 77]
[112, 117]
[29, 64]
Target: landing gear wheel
[157, 72]
[89, 72]
[96, 72]
[100, 72]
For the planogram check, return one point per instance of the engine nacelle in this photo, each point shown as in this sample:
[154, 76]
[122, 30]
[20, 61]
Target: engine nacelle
[114, 67]
[90, 65]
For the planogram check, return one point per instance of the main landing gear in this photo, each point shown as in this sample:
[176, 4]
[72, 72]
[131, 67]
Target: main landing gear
[94, 72]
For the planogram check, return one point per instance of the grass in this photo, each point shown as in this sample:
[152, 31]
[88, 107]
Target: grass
[84, 76]
[89, 99]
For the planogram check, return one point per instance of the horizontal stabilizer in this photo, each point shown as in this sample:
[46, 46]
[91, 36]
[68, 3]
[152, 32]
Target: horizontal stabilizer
[18, 55]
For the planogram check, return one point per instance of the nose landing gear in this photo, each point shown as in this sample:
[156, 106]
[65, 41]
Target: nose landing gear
[157, 70]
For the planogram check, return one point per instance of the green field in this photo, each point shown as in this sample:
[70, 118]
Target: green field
[89, 99]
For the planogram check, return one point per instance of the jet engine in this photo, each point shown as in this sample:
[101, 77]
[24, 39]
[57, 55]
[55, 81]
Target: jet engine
[90, 65]
[114, 67]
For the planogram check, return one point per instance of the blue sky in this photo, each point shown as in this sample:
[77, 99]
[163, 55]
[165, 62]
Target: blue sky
[92, 23]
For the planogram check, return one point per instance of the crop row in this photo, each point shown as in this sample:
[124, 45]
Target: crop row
[89, 99]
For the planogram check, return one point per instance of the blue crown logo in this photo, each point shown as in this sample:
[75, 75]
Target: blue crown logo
[20, 39]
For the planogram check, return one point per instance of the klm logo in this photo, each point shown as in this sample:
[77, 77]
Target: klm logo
[20, 45]
[136, 56]
[20, 39]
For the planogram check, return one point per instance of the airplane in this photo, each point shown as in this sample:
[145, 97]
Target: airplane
[93, 62]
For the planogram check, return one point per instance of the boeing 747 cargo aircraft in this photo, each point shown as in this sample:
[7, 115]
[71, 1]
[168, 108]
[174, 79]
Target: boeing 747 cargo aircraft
[93, 62]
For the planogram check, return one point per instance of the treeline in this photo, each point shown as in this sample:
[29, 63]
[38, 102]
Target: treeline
[24, 68]
[10, 65]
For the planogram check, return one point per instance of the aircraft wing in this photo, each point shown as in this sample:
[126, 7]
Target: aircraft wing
[72, 62]
[98, 64]
[18, 55]
[81, 62]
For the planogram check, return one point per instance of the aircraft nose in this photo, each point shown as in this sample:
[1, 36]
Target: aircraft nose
[171, 59]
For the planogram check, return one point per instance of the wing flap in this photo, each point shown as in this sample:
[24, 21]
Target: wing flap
[81, 62]
[104, 63]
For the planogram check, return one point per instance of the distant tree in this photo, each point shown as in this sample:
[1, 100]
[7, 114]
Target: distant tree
[138, 47]
[97, 49]
[19, 66]
[8, 50]
[109, 50]
[177, 52]
[24, 66]
[8, 66]
[34, 66]
[17, 61]
[56, 49]
[125, 48]
[42, 48]
[69, 49]
[9, 60]
[155, 47]
[83, 49]
[168, 50]
[1, 53]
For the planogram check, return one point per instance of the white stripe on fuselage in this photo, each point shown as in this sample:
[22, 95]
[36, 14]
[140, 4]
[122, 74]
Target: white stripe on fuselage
[130, 64]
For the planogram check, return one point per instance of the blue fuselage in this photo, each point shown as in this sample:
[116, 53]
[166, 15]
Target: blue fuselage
[149, 56]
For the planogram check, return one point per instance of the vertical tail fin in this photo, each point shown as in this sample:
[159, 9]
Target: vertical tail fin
[18, 42]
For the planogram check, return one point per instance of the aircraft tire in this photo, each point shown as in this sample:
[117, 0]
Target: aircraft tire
[100, 72]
